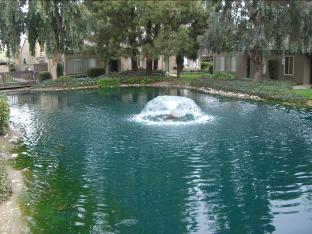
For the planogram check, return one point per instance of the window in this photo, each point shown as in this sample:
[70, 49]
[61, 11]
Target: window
[231, 64]
[219, 63]
[77, 66]
[92, 63]
[289, 65]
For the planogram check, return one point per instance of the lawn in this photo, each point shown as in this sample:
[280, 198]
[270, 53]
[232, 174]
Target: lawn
[304, 92]
[187, 77]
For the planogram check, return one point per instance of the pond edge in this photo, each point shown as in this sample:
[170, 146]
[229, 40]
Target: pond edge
[11, 217]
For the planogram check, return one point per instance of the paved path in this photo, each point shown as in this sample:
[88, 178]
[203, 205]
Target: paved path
[302, 87]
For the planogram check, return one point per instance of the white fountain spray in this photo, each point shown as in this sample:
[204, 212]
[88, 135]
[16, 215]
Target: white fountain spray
[168, 110]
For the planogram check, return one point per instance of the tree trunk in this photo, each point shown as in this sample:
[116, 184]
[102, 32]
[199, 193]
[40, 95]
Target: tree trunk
[56, 53]
[155, 68]
[53, 65]
[106, 66]
[134, 63]
[149, 66]
[259, 75]
[179, 61]
[257, 58]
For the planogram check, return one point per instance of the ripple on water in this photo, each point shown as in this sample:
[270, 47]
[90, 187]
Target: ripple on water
[92, 170]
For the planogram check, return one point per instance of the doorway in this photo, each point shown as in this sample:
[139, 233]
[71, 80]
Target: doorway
[113, 65]
[248, 67]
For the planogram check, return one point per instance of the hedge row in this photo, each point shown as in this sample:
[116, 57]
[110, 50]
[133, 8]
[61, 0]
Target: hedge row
[44, 76]
[113, 81]
[95, 72]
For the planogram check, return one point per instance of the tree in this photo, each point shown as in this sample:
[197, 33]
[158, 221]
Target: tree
[184, 22]
[11, 25]
[151, 15]
[57, 25]
[103, 39]
[117, 32]
[256, 27]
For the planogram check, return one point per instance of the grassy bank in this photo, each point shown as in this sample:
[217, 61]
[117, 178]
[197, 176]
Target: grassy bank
[280, 91]
[304, 92]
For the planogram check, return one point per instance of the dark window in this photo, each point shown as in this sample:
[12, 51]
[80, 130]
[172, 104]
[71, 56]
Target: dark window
[289, 65]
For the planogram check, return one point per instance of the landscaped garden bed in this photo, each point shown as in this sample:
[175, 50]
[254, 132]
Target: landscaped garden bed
[113, 79]
[280, 91]
[268, 89]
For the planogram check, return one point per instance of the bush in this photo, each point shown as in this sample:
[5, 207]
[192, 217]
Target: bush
[273, 69]
[5, 189]
[206, 65]
[268, 89]
[44, 76]
[12, 68]
[107, 82]
[139, 80]
[79, 76]
[67, 81]
[59, 70]
[141, 73]
[4, 114]
[95, 71]
[223, 75]
[64, 79]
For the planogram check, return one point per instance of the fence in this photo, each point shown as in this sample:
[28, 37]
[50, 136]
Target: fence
[18, 79]
[38, 67]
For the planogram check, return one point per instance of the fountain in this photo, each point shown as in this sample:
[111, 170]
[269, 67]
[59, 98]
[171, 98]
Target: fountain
[171, 110]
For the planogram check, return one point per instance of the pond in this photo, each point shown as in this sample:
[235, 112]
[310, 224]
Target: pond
[91, 168]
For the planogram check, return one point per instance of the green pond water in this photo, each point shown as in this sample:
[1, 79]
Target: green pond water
[91, 168]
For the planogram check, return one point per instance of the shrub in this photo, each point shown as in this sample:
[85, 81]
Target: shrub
[79, 76]
[5, 188]
[273, 69]
[12, 68]
[44, 76]
[223, 75]
[67, 81]
[206, 65]
[59, 70]
[4, 114]
[107, 82]
[64, 79]
[141, 73]
[138, 80]
[95, 71]
[268, 89]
